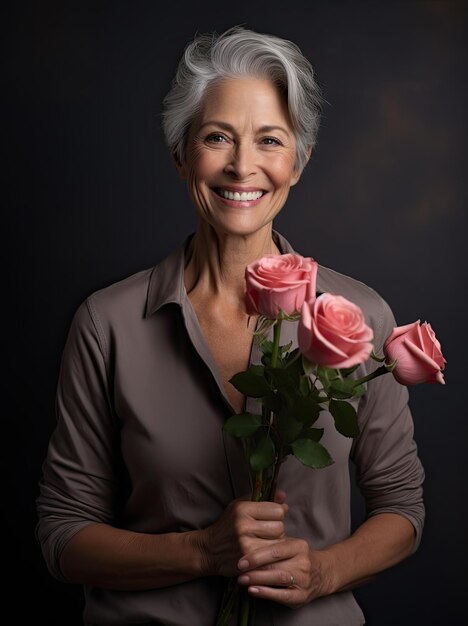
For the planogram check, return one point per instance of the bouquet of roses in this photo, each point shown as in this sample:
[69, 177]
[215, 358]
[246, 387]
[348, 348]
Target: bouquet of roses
[292, 386]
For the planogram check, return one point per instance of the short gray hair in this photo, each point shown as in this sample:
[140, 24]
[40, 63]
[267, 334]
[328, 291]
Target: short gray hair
[239, 52]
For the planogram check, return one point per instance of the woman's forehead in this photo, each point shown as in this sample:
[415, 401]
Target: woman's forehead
[245, 100]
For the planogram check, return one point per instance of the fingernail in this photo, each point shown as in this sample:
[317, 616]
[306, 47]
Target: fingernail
[243, 564]
[243, 580]
[253, 590]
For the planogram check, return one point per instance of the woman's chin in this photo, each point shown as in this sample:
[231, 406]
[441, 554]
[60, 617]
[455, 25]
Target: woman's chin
[240, 228]
[237, 224]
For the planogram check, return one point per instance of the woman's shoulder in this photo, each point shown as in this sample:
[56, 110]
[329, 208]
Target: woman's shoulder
[114, 305]
[331, 281]
[377, 311]
[107, 313]
[129, 301]
[128, 293]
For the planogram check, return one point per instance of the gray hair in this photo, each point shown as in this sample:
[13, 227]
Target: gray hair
[236, 53]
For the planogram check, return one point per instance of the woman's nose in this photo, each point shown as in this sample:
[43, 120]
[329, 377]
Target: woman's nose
[242, 162]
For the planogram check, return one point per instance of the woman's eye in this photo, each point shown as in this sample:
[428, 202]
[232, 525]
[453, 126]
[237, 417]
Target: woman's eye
[216, 138]
[271, 141]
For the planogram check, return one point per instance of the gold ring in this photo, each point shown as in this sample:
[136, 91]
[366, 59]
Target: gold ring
[292, 582]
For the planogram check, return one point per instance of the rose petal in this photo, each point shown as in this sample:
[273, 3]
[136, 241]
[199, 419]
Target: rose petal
[279, 283]
[331, 332]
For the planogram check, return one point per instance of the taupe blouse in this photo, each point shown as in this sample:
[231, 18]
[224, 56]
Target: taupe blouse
[139, 445]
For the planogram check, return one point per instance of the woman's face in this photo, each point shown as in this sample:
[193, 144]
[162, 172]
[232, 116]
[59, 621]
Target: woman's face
[240, 156]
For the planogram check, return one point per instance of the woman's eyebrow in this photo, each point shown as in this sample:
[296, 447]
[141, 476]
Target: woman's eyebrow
[263, 129]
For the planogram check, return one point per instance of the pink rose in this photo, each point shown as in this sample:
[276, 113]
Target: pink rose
[279, 282]
[333, 333]
[418, 354]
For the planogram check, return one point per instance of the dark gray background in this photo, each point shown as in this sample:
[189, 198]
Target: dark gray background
[90, 196]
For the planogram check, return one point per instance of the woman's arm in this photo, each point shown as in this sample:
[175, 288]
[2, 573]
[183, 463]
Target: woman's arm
[379, 543]
[103, 556]
[82, 482]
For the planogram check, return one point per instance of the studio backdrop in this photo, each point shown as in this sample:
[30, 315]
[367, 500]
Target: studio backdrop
[91, 196]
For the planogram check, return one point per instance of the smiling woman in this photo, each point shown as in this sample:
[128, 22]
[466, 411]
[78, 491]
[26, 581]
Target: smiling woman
[144, 501]
[232, 152]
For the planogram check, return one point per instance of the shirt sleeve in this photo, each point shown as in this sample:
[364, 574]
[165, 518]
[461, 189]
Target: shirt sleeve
[78, 485]
[389, 473]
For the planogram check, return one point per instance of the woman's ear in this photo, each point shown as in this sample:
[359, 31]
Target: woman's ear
[297, 174]
[180, 167]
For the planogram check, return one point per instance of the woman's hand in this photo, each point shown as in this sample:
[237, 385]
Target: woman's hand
[243, 528]
[287, 572]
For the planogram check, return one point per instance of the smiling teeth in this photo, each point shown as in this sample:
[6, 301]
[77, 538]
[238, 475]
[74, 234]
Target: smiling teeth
[241, 197]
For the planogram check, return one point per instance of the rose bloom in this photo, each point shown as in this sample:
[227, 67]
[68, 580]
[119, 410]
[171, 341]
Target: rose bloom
[279, 283]
[332, 332]
[418, 354]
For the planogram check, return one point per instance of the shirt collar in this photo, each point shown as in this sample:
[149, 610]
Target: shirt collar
[167, 284]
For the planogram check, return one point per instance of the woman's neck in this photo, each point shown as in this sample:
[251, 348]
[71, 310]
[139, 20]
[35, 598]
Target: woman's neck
[215, 263]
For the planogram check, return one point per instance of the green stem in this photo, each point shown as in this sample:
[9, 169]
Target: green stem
[274, 360]
[276, 340]
[253, 611]
[257, 492]
[298, 356]
[383, 369]
[245, 608]
[229, 597]
[274, 480]
[247, 616]
[379, 359]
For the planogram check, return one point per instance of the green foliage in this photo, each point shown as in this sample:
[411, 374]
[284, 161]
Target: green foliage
[305, 385]
[266, 346]
[344, 389]
[348, 370]
[264, 454]
[345, 416]
[282, 378]
[306, 409]
[312, 433]
[243, 425]
[272, 401]
[308, 367]
[292, 394]
[336, 384]
[311, 453]
[250, 383]
[287, 428]
[258, 370]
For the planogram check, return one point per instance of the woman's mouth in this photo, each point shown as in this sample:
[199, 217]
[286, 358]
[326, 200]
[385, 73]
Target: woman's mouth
[245, 197]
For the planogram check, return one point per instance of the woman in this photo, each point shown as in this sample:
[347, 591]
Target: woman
[144, 501]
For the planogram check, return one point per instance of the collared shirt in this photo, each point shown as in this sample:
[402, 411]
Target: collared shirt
[139, 444]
